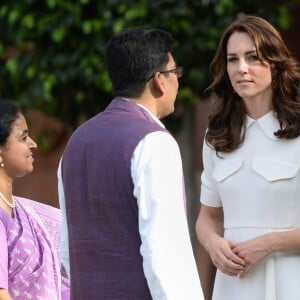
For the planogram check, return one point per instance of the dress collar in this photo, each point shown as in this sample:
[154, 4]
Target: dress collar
[268, 123]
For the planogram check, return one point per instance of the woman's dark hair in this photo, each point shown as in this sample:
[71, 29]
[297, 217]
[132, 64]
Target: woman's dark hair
[133, 56]
[9, 112]
[227, 120]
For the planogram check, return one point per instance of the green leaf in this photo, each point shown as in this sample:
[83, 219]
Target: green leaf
[87, 26]
[51, 3]
[12, 66]
[30, 71]
[58, 34]
[3, 10]
[13, 16]
[28, 21]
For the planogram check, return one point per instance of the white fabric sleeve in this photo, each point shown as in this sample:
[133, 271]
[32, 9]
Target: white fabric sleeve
[168, 259]
[64, 246]
[209, 194]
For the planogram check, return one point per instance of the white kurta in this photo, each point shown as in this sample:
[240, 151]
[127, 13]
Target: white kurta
[258, 186]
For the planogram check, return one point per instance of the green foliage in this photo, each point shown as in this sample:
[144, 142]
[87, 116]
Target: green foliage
[51, 51]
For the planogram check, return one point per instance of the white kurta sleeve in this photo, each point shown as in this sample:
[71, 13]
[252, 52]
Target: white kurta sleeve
[64, 247]
[168, 259]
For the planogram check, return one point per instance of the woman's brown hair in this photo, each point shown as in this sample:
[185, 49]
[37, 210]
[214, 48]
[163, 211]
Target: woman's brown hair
[227, 119]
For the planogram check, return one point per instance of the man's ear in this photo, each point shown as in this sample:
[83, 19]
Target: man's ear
[159, 82]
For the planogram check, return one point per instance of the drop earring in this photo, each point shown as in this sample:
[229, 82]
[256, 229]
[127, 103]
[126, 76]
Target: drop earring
[2, 165]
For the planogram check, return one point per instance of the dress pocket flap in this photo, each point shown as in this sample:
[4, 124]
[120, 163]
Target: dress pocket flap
[226, 168]
[273, 170]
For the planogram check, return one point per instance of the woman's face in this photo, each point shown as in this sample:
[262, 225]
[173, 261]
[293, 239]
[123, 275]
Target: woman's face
[16, 154]
[250, 78]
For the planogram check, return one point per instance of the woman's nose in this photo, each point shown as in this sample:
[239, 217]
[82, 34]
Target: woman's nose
[243, 66]
[32, 143]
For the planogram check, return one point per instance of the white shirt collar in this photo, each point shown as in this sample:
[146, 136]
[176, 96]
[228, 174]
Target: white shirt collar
[150, 113]
[268, 123]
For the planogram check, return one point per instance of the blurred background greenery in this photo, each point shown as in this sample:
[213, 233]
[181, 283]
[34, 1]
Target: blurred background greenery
[51, 51]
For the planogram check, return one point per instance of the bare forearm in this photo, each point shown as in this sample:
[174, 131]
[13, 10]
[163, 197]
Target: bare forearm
[4, 295]
[208, 228]
[284, 241]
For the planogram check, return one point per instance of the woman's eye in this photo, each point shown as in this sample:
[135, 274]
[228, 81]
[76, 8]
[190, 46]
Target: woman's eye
[231, 59]
[253, 57]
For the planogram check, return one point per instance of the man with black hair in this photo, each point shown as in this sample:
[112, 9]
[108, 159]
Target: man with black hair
[121, 184]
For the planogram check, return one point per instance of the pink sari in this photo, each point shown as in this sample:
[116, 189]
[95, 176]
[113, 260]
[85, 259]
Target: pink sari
[29, 244]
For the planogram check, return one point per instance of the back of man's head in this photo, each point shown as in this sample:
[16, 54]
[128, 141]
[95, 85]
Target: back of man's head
[133, 56]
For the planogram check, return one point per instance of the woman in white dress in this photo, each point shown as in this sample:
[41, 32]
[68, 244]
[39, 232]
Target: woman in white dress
[249, 221]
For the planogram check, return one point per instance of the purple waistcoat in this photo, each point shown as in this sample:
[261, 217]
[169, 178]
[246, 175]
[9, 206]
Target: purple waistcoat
[102, 213]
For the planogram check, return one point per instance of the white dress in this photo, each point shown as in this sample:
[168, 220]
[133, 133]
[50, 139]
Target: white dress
[258, 186]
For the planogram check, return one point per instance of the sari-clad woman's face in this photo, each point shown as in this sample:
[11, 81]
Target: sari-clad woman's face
[16, 154]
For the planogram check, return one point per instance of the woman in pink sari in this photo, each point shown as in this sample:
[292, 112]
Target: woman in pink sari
[30, 266]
